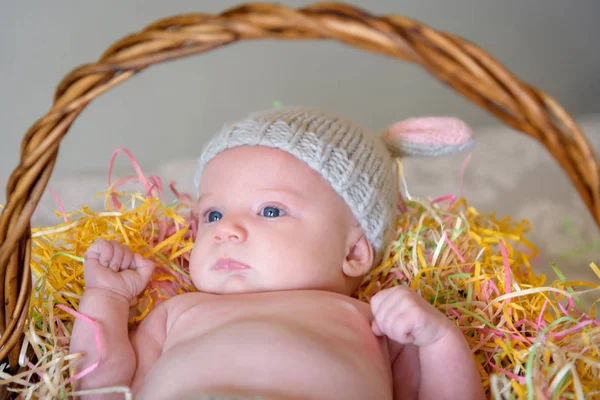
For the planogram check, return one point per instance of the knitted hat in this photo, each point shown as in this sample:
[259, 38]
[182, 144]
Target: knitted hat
[354, 161]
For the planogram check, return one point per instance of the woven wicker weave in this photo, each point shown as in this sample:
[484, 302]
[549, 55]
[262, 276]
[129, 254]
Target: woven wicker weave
[458, 63]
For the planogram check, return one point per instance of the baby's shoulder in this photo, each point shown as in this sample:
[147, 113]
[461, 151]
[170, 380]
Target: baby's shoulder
[176, 305]
[168, 311]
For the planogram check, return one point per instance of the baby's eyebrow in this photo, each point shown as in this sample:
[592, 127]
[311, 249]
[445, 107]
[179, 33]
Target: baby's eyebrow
[284, 190]
[203, 196]
[292, 192]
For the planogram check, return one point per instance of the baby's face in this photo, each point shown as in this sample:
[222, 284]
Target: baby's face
[268, 222]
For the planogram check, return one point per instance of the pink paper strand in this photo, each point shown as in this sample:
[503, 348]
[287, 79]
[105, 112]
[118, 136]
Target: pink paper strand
[60, 206]
[90, 321]
[453, 248]
[507, 280]
[450, 197]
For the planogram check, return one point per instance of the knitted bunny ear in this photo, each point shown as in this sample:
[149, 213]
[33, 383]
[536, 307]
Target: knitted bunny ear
[428, 136]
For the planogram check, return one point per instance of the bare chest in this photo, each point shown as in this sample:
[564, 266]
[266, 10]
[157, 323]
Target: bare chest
[322, 313]
[255, 341]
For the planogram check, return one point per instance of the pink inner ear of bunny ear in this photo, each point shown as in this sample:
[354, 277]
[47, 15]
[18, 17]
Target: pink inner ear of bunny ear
[430, 130]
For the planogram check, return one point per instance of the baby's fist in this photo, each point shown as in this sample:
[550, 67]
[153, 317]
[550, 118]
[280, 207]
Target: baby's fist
[405, 317]
[112, 266]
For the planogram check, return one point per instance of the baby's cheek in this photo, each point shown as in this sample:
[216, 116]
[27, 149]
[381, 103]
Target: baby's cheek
[198, 255]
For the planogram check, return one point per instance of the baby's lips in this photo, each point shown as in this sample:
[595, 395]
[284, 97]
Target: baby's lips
[229, 264]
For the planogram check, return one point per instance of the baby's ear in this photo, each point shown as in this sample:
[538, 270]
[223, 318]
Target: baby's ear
[359, 257]
[428, 136]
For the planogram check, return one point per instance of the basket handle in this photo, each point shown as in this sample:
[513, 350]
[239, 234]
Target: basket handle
[454, 61]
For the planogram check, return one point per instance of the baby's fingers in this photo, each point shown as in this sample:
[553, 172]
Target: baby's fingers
[143, 266]
[116, 262]
[379, 299]
[375, 329]
[101, 250]
[388, 301]
[127, 258]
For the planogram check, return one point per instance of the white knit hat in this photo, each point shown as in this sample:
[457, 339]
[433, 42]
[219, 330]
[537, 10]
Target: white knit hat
[354, 161]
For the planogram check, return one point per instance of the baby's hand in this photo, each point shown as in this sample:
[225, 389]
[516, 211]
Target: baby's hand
[405, 317]
[114, 267]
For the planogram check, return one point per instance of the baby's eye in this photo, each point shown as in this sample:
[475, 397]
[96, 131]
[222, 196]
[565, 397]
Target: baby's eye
[213, 216]
[272, 212]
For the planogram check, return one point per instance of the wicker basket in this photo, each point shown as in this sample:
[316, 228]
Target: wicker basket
[460, 64]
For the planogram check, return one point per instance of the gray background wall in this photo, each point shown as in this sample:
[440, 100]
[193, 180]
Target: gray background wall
[167, 112]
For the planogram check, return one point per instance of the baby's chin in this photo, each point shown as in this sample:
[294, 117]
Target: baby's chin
[240, 289]
[221, 291]
[232, 285]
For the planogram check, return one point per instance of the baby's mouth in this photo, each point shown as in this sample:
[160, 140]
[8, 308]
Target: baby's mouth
[229, 264]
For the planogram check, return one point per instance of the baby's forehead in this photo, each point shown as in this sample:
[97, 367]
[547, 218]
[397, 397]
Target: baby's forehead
[259, 169]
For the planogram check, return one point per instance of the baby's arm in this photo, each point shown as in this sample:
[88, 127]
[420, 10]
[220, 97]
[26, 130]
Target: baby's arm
[113, 277]
[118, 364]
[448, 364]
[148, 341]
[430, 357]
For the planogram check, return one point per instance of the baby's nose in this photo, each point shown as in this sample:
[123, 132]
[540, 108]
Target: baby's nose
[230, 230]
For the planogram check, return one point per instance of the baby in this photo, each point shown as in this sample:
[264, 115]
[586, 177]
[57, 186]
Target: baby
[296, 205]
